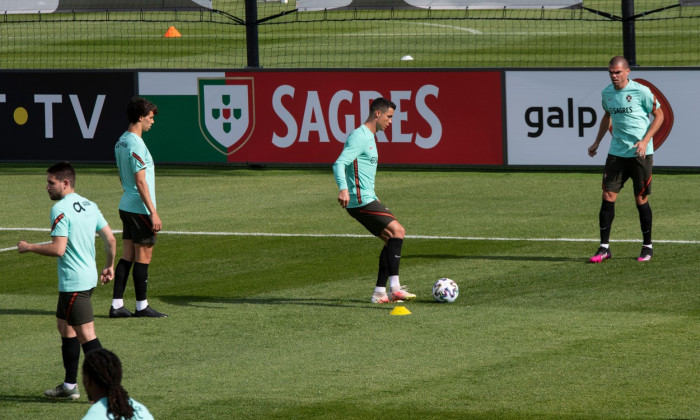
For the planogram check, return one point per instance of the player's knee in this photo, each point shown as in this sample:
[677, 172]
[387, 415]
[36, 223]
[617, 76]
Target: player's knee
[398, 231]
[609, 196]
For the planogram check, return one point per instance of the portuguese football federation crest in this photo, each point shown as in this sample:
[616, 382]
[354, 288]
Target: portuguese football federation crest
[226, 112]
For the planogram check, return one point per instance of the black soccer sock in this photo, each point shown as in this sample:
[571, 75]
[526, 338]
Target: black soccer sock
[121, 275]
[91, 345]
[394, 255]
[645, 222]
[140, 280]
[606, 216]
[70, 349]
[383, 273]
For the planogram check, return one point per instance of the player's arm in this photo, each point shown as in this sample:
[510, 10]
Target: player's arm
[142, 187]
[339, 173]
[350, 152]
[55, 248]
[602, 129]
[641, 145]
[110, 244]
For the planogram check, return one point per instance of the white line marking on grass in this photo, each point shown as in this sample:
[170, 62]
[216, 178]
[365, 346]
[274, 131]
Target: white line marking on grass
[348, 235]
[457, 238]
[459, 28]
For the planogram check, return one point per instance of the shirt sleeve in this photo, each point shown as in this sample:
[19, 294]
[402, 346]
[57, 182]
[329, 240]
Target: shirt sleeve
[101, 221]
[137, 158]
[352, 149]
[650, 103]
[59, 223]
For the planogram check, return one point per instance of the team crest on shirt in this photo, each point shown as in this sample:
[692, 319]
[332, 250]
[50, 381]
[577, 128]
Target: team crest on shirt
[226, 112]
[629, 98]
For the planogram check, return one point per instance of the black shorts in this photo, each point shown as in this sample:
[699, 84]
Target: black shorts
[75, 307]
[619, 169]
[374, 216]
[137, 228]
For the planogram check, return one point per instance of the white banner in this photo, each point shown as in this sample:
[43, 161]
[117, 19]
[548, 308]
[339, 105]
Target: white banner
[316, 5]
[57, 6]
[553, 116]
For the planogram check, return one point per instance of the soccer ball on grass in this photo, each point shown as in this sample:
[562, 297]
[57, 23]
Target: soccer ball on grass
[445, 290]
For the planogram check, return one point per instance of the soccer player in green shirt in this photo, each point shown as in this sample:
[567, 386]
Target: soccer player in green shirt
[354, 171]
[137, 210]
[631, 155]
[102, 378]
[74, 221]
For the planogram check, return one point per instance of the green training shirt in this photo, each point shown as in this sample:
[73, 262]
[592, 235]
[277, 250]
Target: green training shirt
[629, 110]
[132, 156]
[98, 411]
[356, 167]
[77, 218]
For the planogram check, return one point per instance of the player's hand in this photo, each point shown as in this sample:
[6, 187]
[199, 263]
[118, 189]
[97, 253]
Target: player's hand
[107, 275]
[156, 223]
[641, 147]
[344, 198]
[22, 247]
[593, 150]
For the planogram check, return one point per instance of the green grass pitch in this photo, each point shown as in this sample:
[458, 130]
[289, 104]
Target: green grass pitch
[267, 284]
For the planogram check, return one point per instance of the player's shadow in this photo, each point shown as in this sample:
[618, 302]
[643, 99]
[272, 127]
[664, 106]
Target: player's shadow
[35, 399]
[210, 302]
[19, 311]
[492, 257]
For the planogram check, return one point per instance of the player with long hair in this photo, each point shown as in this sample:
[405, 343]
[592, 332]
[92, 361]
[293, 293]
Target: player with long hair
[102, 379]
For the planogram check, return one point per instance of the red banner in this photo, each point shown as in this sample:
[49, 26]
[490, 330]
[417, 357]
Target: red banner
[442, 118]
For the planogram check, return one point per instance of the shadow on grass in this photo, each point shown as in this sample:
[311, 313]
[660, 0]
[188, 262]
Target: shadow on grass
[494, 257]
[18, 311]
[37, 399]
[203, 301]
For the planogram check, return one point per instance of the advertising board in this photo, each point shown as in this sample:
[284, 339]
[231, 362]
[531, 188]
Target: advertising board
[51, 116]
[442, 118]
[553, 116]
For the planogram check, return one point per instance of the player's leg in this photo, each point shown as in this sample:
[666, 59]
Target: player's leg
[87, 337]
[395, 233]
[70, 351]
[379, 295]
[143, 239]
[142, 260]
[642, 189]
[121, 271]
[379, 220]
[81, 321]
[613, 180]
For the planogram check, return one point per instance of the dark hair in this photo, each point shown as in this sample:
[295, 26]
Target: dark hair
[381, 104]
[105, 370]
[62, 171]
[139, 107]
[619, 60]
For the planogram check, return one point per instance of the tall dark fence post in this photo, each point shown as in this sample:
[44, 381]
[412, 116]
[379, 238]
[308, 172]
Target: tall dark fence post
[251, 32]
[628, 36]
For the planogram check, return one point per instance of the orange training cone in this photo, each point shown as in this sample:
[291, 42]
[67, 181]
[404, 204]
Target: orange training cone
[172, 33]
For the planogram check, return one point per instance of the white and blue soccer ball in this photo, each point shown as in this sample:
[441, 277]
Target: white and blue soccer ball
[445, 290]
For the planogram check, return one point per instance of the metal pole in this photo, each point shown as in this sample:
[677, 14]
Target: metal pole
[251, 32]
[628, 36]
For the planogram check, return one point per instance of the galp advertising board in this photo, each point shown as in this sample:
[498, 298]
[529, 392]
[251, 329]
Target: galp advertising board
[553, 116]
[442, 118]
